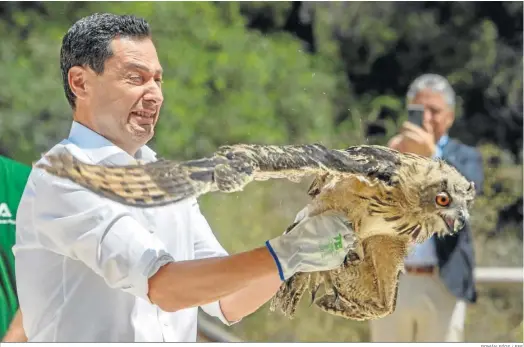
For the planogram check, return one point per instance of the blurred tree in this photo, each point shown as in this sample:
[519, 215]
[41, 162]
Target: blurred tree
[385, 45]
[289, 72]
[223, 84]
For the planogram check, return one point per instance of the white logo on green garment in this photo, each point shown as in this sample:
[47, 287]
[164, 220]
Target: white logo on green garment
[5, 213]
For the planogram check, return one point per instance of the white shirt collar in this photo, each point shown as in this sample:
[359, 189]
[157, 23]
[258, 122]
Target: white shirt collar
[99, 149]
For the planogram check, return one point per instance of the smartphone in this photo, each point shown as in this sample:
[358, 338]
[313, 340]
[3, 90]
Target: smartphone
[416, 114]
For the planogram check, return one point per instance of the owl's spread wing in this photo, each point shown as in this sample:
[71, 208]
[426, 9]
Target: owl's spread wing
[228, 170]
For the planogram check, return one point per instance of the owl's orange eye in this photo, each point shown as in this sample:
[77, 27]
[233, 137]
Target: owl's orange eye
[442, 199]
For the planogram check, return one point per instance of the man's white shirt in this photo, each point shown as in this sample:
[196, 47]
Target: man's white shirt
[82, 262]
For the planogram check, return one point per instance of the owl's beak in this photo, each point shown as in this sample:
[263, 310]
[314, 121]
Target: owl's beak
[454, 224]
[460, 222]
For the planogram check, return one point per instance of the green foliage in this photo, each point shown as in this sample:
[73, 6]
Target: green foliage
[225, 83]
[273, 14]
[502, 187]
[385, 45]
[218, 76]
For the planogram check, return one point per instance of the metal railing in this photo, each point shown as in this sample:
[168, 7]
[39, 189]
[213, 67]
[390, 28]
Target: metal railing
[209, 331]
[503, 276]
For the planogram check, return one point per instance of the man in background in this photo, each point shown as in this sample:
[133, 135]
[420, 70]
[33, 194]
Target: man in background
[439, 279]
[13, 177]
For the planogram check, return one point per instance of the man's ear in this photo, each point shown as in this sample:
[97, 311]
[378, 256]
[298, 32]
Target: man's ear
[77, 77]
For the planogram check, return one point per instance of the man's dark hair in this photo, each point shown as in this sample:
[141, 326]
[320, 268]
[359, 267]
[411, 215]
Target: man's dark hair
[88, 42]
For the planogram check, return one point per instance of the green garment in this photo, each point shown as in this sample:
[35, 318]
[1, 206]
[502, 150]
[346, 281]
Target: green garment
[13, 178]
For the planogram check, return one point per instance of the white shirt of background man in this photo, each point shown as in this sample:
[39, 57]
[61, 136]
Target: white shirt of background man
[83, 262]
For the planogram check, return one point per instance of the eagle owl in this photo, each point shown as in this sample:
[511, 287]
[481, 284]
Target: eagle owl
[393, 200]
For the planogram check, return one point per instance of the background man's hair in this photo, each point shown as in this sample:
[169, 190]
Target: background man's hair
[435, 83]
[87, 42]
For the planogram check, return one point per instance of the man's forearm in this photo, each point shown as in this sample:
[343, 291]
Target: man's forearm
[185, 284]
[247, 300]
[15, 333]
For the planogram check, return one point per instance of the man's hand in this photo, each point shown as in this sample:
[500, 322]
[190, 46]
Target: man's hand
[414, 139]
[249, 299]
[317, 243]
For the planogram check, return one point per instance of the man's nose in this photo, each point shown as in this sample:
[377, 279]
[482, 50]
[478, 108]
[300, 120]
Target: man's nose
[154, 94]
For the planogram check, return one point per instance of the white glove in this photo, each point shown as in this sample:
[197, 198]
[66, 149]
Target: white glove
[317, 243]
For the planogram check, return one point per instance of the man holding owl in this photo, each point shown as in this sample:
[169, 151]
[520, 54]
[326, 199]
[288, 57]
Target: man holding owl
[136, 275]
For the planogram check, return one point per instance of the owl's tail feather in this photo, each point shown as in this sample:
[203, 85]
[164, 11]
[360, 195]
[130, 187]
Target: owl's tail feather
[154, 184]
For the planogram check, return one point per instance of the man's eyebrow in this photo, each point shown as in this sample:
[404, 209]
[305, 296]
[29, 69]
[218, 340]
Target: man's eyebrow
[138, 66]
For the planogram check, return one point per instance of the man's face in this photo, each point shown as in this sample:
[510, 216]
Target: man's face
[125, 99]
[437, 112]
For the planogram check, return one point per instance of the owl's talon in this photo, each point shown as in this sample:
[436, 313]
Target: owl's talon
[337, 296]
[352, 258]
[355, 256]
[314, 294]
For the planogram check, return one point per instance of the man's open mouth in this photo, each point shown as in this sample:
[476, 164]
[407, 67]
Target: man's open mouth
[142, 121]
[142, 117]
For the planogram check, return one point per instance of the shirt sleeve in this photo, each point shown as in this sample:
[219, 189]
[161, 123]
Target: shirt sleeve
[79, 224]
[206, 246]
